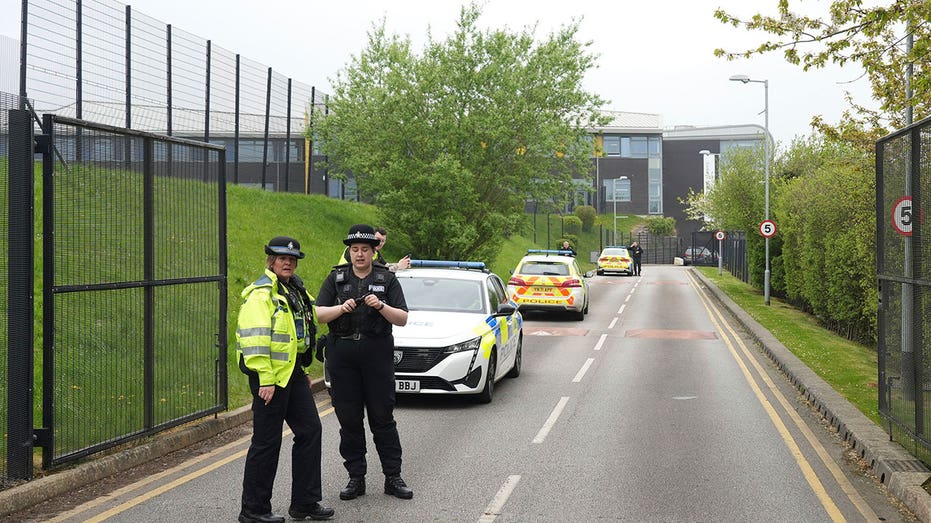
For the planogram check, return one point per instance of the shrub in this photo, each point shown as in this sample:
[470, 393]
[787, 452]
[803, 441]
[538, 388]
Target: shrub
[572, 224]
[660, 226]
[587, 214]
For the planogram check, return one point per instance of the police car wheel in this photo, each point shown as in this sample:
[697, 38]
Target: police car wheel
[488, 392]
[515, 370]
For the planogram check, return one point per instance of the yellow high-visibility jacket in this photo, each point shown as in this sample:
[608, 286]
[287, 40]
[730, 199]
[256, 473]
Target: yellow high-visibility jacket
[267, 335]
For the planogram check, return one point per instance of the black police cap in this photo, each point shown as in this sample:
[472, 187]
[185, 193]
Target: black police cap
[284, 245]
[362, 233]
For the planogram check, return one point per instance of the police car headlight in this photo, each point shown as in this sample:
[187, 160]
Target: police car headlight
[472, 344]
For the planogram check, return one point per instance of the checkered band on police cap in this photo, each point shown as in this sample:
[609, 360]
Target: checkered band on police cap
[361, 233]
[283, 245]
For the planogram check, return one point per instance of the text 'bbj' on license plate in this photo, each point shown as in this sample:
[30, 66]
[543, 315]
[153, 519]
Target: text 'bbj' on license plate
[406, 386]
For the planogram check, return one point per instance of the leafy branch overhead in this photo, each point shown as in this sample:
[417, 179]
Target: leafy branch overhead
[872, 37]
[452, 141]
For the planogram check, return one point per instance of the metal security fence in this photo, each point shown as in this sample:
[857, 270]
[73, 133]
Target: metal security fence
[133, 316]
[102, 61]
[656, 249]
[16, 305]
[903, 188]
[734, 255]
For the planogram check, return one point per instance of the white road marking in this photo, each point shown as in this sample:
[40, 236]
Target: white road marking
[551, 420]
[621, 310]
[601, 341]
[613, 322]
[583, 370]
[494, 508]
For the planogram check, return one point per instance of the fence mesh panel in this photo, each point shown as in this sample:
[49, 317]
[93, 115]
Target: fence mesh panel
[136, 300]
[7, 102]
[903, 254]
[99, 61]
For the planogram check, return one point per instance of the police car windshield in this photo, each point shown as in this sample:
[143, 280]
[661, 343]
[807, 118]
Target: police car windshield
[443, 294]
[544, 269]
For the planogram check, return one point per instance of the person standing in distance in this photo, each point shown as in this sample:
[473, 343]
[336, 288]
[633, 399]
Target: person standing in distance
[382, 235]
[274, 335]
[636, 252]
[361, 301]
[567, 247]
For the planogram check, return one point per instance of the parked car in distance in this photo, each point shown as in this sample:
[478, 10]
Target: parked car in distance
[615, 259]
[550, 280]
[699, 256]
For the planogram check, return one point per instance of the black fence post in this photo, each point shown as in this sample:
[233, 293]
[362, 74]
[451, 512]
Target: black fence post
[20, 382]
[48, 292]
[223, 284]
[127, 144]
[148, 248]
[168, 95]
[915, 137]
[268, 104]
[236, 126]
[287, 146]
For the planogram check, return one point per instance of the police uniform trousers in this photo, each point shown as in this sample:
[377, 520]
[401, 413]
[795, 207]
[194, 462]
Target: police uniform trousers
[362, 379]
[294, 404]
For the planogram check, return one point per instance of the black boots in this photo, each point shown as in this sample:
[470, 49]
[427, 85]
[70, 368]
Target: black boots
[396, 487]
[316, 512]
[354, 489]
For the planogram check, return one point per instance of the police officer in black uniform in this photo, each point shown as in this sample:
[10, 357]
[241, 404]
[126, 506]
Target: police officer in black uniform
[360, 301]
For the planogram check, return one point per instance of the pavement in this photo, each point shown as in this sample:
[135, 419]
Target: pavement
[901, 473]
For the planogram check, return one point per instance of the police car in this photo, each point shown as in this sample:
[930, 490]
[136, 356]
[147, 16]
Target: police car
[463, 333]
[550, 281]
[615, 259]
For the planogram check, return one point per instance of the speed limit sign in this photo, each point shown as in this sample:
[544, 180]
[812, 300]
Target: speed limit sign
[720, 235]
[902, 216]
[768, 228]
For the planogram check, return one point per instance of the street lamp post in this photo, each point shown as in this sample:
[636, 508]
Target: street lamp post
[614, 197]
[746, 79]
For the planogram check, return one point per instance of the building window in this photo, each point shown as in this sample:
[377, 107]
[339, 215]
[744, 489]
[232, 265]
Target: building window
[655, 185]
[622, 186]
[638, 147]
[655, 147]
[612, 146]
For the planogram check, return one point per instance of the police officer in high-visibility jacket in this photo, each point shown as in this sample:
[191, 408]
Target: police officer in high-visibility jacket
[360, 301]
[274, 337]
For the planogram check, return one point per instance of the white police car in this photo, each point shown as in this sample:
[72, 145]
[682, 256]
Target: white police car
[463, 333]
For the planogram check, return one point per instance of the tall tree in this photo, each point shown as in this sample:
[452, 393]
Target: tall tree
[452, 142]
[873, 37]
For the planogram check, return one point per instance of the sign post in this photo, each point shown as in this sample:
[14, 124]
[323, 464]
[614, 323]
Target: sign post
[720, 236]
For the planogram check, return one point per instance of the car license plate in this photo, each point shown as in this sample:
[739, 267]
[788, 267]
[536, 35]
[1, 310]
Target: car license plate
[406, 386]
[542, 290]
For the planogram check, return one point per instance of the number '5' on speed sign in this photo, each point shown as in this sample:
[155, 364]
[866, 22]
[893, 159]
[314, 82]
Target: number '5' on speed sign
[903, 216]
[768, 228]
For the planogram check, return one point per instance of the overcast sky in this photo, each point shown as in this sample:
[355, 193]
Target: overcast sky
[656, 56]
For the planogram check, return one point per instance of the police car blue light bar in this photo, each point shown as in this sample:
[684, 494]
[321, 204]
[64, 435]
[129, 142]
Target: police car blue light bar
[447, 263]
[549, 251]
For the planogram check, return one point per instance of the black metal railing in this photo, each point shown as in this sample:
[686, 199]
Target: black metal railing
[903, 179]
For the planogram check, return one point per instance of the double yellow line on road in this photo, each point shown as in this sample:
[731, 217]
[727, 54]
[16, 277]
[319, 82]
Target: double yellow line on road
[213, 462]
[721, 323]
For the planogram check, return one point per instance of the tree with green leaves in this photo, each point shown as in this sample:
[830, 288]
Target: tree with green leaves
[828, 253]
[872, 36]
[451, 143]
